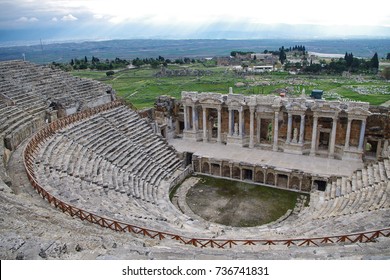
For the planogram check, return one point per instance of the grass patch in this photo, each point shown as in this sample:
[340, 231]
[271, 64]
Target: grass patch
[238, 204]
[141, 86]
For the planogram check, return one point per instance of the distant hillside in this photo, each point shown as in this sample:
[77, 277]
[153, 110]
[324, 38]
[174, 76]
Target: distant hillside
[130, 49]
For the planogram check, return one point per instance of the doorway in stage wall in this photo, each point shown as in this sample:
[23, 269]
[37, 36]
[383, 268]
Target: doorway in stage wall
[323, 142]
[247, 174]
[320, 185]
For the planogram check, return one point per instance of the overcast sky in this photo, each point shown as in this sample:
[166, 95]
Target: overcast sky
[182, 18]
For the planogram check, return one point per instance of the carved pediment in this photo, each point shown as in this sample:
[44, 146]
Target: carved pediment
[209, 101]
[251, 100]
[358, 111]
[358, 108]
[326, 106]
[235, 100]
[266, 99]
[235, 103]
[210, 97]
[296, 106]
[189, 94]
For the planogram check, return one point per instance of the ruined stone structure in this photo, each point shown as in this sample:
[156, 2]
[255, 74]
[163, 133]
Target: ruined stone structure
[32, 95]
[348, 131]
[106, 165]
[303, 126]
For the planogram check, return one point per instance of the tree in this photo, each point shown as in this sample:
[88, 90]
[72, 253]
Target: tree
[282, 55]
[349, 59]
[388, 56]
[375, 62]
[154, 63]
[137, 62]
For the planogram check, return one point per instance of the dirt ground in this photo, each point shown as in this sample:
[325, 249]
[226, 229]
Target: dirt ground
[238, 204]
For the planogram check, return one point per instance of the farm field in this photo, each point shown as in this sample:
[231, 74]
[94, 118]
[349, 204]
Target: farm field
[141, 86]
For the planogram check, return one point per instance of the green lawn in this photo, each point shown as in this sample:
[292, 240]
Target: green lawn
[141, 86]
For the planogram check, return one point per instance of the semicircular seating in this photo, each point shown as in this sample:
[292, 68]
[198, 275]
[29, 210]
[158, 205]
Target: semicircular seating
[112, 164]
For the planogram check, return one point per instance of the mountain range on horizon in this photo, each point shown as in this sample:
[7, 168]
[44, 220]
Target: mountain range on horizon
[229, 31]
[45, 52]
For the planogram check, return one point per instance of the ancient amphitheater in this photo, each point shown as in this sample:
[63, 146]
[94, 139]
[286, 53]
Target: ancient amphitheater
[85, 176]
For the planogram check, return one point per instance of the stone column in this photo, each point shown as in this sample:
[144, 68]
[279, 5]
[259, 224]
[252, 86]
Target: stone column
[333, 138]
[185, 118]
[302, 130]
[348, 135]
[230, 123]
[385, 148]
[251, 127]
[289, 127]
[314, 136]
[194, 119]
[276, 131]
[362, 132]
[258, 128]
[204, 125]
[240, 120]
[219, 126]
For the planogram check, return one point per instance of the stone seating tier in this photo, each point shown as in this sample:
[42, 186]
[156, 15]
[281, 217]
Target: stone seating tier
[133, 173]
[27, 91]
[86, 153]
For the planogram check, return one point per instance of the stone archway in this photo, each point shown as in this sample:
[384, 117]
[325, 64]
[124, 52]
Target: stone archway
[270, 179]
[282, 180]
[259, 176]
[206, 168]
[247, 174]
[215, 169]
[226, 171]
[294, 183]
[236, 174]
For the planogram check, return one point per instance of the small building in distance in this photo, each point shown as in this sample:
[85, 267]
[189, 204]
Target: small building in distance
[266, 58]
[262, 68]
